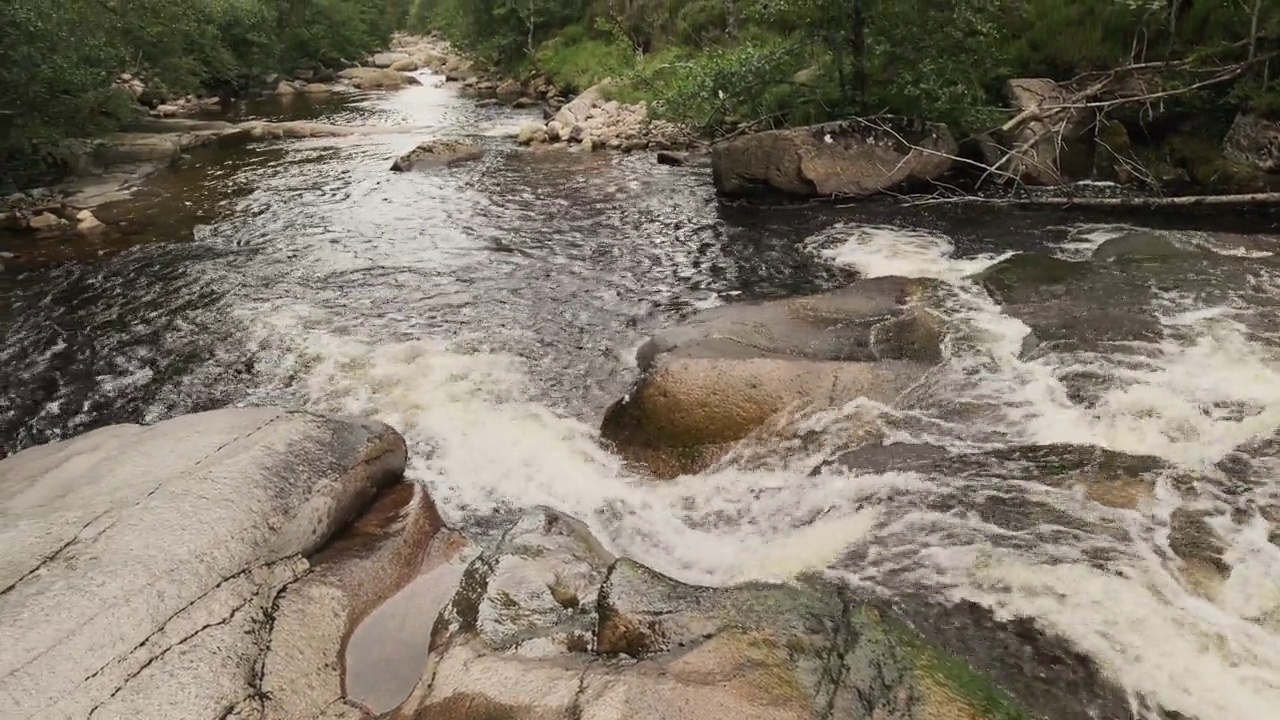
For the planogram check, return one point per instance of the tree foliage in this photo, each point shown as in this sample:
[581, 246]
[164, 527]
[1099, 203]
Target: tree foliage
[58, 57]
[721, 63]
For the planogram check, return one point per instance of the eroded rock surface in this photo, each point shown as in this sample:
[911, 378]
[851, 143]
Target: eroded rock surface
[143, 566]
[549, 626]
[437, 153]
[858, 158]
[718, 377]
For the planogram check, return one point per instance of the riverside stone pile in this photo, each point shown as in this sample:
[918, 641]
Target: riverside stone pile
[596, 122]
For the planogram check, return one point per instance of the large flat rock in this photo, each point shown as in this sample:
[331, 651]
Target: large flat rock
[142, 565]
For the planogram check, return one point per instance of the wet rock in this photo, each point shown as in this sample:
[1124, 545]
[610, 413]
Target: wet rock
[404, 65]
[1255, 142]
[437, 153]
[317, 88]
[373, 595]
[548, 626]
[1073, 305]
[1053, 150]
[1140, 244]
[857, 159]
[143, 565]
[286, 88]
[681, 159]
[884, 318]
[715, 379]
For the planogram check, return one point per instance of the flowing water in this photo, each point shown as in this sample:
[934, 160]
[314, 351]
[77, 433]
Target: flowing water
[490, 312]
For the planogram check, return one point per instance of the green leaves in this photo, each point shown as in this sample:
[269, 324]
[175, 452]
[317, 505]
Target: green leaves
[58, 57]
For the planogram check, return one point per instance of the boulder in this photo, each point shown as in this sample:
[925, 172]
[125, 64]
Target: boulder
[680, 159]
[317, 88]
[144, 566]
[437, 153]
[549, 626]
[1139, 243]
[405, 65]
[388, 59]
[509, 91]
[286, 87]
[857, 158]
[532, 132]
[45, 221]
[728, 371]
[1055, 149]
[1254, 141]
[87, 224]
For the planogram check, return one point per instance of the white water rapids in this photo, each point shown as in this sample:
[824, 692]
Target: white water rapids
[442, 303]
[481, 443]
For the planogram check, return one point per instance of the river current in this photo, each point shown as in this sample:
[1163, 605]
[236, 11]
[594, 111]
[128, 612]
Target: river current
[491, 311]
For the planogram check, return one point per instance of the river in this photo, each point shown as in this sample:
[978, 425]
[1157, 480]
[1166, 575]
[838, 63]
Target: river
[490, 312]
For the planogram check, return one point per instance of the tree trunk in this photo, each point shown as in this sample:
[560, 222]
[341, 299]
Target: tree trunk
[731, 18]
[1253, 29]
[859, 45]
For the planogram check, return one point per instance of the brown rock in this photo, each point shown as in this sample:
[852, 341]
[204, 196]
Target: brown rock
[1058, 148]
[87, 224]
[728, 372]
[364, 78]
[45, 221]
[848, 159]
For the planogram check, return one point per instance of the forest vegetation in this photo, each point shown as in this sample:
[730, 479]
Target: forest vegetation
[718, 66]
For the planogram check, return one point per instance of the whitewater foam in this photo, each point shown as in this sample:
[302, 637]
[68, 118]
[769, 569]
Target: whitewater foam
[482, 443]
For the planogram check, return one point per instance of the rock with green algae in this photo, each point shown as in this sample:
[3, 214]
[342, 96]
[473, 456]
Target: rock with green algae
[549, 626]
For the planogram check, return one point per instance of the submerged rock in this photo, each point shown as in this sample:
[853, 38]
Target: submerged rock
[1073, 305]
[718, 377]
[548, 625]
[143, 566]
[858, 158]
[437, 153]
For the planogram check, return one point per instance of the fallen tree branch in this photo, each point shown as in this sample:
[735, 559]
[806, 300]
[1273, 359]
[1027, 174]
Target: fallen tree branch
[1184, 201]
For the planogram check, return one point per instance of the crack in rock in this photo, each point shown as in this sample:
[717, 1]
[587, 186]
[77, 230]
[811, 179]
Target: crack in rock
[53, 555]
